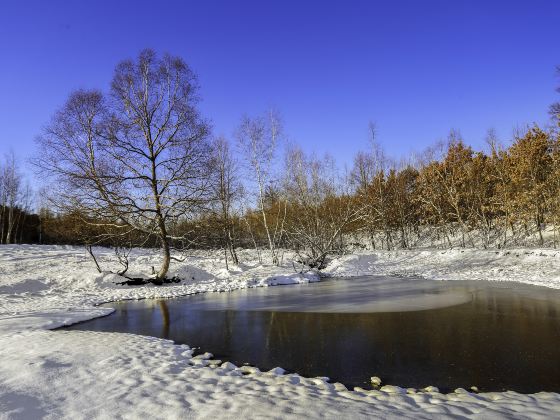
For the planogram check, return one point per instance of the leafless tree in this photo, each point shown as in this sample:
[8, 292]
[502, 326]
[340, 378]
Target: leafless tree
[258, 139]
[11, 195]
[362, 172]
[320, 208]
[227, 190]
[137, 160]
[499, 175]
[555, 107]
[368, 176]
[25, 208]
[3, 203]
[430, 194]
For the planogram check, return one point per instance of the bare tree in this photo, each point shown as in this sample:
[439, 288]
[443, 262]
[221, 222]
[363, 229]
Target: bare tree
[320, 208]
[3, 203]
[258, 138]
[499, 176]
[369, 174]
[10, 197]
[24, 207]
[362, 172]
[227, 189]
[430, 198]
[137, 161]
[554, 109]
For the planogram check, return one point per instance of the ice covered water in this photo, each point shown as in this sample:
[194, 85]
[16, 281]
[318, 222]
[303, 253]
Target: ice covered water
[357, 295]
[408, 332]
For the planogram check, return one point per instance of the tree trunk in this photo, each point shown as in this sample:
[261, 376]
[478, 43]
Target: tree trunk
[404, 242]
[539, 223]
[2, 224]
[166, 261]
[22, 228]
[271, 244]
[232, 248]
[225, 257]
[10, 226]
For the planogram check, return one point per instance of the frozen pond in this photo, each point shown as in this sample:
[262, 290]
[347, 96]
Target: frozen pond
[409, 332]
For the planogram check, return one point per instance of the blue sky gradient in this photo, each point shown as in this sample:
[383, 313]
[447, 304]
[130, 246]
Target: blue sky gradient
[416, 68]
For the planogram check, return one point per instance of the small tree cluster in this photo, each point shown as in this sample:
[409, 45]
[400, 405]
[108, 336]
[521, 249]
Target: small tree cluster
[485, 199]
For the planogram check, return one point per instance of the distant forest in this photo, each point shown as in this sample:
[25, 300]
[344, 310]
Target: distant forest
[138, 166]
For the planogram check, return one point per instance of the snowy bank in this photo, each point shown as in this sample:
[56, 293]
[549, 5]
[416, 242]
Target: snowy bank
[52, 286]
[77, 374]
[539, 267]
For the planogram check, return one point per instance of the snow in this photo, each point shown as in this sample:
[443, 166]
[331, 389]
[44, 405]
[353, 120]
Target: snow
[51, 286]
[81, 374]
[539, 267]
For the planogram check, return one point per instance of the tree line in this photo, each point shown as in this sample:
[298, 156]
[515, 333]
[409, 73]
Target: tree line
[502, 197]
[137, 165]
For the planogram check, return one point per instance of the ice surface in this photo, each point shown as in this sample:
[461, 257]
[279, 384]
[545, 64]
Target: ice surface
[361, 295]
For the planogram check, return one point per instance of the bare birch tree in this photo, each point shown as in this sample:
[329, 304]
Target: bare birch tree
[10, 196]
[136, 161]
[258, 139]
[3, 203]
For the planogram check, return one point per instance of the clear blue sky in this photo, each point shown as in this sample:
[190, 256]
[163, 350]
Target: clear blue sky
[417, 68]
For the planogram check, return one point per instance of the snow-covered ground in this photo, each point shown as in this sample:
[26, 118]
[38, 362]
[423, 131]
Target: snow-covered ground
[540, 267]
[77, 374]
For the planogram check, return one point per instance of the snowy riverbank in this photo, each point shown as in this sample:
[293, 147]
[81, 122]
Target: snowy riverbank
[540, 267]
[75, 374]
